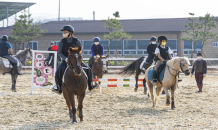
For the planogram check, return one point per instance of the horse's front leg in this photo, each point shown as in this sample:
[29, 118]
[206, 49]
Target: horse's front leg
[72, 102]
[173, 89]
[13, 81]
[167, 95]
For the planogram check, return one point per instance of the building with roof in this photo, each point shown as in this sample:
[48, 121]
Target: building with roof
[140, 29]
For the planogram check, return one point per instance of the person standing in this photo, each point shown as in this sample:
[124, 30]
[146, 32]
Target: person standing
[200, 69]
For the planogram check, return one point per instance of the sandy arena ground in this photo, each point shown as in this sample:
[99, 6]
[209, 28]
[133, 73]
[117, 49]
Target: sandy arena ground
[113, 108]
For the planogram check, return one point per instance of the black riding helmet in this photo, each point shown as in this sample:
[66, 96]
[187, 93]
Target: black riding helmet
[52, 43]
[199, 54]
[68, 27]
[5, 37]
[153, 38]
[160, 38]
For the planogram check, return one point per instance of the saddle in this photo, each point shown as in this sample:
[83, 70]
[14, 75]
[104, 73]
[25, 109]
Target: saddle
[7, 63]
[160, 73]
[63, 71]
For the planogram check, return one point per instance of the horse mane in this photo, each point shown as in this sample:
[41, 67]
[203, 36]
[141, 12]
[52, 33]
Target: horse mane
[171, 62]
[21, 52]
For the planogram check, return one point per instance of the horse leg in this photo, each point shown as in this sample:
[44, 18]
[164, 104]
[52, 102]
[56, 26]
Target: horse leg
[72, 102]
[80, 106]
[167, 95]
[150, 85]
[158, 93]
[136, 80]
[13, 80]
[172, 98]
[68, 102]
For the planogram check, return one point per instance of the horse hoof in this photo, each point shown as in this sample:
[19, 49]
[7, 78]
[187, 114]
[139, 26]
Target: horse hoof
[173, 107]
[167, 104]
[145, 92]
[13, 90]
[74, 121]
[135, 90]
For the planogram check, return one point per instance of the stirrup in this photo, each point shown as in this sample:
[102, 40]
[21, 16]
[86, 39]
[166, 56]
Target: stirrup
[58, 88]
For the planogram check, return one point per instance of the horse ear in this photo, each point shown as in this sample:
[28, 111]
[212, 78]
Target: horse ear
[70, 50]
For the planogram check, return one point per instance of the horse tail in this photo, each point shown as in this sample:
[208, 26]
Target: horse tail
[131, 68]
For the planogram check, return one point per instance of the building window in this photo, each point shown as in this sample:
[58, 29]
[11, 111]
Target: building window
[172, 44]
[33, 45]
[130, 44]
[119, 44]
[143, 44]
[189, 48]
[87, 45]
[215, 44]
[104, 44]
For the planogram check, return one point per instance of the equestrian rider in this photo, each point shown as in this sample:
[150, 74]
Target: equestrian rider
[69, 41]
[200, 69]
[163, 53]
[6, 52]
[151, 49]
[96, 49]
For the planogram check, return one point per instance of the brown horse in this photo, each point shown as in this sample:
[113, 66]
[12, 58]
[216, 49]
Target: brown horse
[98, 66]
[75, 83]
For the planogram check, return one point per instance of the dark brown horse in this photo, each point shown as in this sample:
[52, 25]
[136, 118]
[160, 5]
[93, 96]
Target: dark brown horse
[134, 68]
[75, 83]
[99, 66]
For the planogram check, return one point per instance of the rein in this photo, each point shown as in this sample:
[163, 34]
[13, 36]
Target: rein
[72, 70]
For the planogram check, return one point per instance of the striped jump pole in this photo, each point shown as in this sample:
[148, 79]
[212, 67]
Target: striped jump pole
[117, 85]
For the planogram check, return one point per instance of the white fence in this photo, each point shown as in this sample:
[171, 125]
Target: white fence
[125, 59]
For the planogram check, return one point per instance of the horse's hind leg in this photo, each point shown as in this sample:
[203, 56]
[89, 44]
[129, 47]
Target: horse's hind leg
[68, 102]
[80, 106]
[13, 81]
[136, 80]
[72, 102]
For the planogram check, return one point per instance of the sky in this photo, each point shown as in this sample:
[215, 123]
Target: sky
[135, 9]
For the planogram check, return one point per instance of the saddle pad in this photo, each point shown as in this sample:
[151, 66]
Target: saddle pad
[150, 74]
[7, 63]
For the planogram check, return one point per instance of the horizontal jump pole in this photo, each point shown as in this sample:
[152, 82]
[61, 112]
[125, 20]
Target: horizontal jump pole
[116, 79]
[119, 85]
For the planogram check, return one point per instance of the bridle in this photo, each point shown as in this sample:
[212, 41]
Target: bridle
[175, 69]
[71, 68]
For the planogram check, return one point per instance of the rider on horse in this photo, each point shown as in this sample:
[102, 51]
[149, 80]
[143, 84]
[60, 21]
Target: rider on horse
[96, 49]
[6, 52]
[151, 49]
[69, 41]
[163, 53]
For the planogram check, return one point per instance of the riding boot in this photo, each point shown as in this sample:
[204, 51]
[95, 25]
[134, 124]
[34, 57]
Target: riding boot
[90, 81]
[58, 90]
[146, 65]
[15, 69]
[154, 77]
[200, 87]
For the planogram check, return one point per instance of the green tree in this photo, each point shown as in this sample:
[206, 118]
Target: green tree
[191, 31]
[116, 31]
[25, 30]
[205, 26]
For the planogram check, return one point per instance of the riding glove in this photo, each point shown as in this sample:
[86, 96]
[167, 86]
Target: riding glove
[204, 75]
[66, 59]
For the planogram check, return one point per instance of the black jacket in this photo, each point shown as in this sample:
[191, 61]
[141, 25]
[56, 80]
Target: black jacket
[151, 49]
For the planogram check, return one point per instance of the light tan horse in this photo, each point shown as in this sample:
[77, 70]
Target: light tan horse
[170, 79]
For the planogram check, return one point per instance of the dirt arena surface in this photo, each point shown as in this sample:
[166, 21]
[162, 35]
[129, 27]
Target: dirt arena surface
[113, 108]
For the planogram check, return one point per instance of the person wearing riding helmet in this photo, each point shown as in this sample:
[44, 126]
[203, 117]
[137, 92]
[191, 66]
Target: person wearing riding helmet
[96, 49]
[200, 69]
[69, 41]
[151, 49]
[50, 59]
[6, 52]
[163, 53]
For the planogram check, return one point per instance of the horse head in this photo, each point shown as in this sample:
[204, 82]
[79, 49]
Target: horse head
[101, 61]
[29, 53]
[75, 59]
[182, 63]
